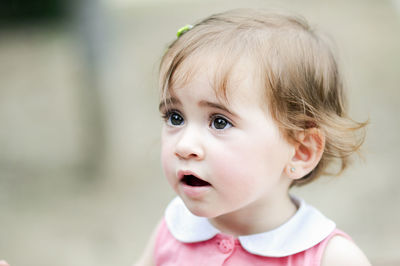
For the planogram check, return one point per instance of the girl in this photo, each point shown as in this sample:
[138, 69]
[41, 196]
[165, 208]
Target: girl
[253, 104]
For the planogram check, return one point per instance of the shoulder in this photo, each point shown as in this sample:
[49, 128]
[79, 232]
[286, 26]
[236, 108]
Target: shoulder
[147, 258]
[343, 251]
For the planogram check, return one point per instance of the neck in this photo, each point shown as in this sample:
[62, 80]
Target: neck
[256, 218]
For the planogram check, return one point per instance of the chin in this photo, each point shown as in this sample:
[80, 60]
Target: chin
[201, 211]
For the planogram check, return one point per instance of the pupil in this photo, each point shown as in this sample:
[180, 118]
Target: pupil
[176, 119]
[220, 123]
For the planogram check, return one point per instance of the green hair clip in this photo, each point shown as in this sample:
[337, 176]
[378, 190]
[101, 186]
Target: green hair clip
[183, 30]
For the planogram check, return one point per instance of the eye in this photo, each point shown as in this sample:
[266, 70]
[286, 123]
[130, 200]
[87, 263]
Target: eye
[173, 118]
[219, 123]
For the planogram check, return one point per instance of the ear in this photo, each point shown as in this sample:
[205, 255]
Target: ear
[307, 154]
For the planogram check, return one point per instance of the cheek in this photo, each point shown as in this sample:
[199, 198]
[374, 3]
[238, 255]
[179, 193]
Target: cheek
[236, 179]
[167, 160]
[248, 162]
[233, 165]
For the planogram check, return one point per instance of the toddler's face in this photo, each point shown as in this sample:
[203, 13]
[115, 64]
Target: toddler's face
[223, 156]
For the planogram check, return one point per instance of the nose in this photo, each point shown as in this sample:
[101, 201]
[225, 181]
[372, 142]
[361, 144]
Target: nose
[190, 144]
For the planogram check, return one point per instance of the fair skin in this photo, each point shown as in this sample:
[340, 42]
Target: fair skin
[210, 139]
[236, 151]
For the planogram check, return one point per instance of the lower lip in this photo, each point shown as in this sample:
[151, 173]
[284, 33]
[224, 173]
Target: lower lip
[194, 192]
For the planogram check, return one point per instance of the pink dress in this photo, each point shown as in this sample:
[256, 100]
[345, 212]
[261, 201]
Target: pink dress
[185, 239]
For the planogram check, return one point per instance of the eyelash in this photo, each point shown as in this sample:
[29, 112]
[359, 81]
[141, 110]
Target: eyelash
[212, 118]
[167, 115]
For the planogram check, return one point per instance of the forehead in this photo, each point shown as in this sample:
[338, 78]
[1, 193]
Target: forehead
[230, 77]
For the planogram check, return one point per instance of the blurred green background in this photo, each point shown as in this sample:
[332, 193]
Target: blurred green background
[80, 177]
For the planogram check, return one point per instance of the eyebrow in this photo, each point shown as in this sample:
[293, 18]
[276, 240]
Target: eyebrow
[217, 106]
[175, 101]
[168, 101]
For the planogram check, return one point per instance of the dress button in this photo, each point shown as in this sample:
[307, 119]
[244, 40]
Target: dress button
[225, 245]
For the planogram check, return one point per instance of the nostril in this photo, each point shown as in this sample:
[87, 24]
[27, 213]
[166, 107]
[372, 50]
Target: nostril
[186, 155]
[189, 152]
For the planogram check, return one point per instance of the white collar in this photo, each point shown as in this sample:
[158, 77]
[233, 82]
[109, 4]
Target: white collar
[305, 229]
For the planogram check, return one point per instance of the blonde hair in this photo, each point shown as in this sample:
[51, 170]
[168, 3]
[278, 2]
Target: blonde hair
[296, 67]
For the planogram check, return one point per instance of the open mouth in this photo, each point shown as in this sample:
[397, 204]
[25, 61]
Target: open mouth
[193, 181]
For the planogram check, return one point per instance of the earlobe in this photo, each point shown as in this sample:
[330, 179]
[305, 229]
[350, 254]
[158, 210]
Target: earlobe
[308, 152]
